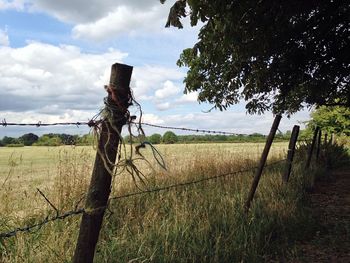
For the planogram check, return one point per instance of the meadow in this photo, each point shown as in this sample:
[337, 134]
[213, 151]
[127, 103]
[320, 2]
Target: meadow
[200, 223]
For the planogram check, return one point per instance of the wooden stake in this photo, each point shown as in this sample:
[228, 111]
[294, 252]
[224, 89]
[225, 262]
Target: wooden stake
[311, 149]
[263, 159]
[318, 144]
[290, 155]
[332, 139]
[100, 185]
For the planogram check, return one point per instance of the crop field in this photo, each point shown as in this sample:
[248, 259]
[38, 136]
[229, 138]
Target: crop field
[38, 166]
[200, 223]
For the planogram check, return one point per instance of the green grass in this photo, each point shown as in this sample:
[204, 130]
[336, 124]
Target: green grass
[199, 223]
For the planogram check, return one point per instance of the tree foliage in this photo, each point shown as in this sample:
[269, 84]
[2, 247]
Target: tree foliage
[155, 138]
[331, 119]
[47, 140]
[28, 139]
[276, 55]
[169, 137]
[9, 140]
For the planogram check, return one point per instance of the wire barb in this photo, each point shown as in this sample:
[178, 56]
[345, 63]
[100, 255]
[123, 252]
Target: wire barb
[48, 201]
[75, 212]
[189, 129]
[189, 183]
[131, 120]
[45, 221]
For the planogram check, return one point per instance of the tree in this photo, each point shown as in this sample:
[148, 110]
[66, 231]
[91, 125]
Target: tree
[9, 140]
[49, 140]
[276, 55]
[86, 139]
[169, 137]
[28, 139]
[155, 138]
[331, 119]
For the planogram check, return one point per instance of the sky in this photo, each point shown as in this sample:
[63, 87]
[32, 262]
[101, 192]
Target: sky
[55, 58]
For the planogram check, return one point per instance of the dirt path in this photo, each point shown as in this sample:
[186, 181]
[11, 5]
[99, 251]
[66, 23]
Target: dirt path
[330, 203]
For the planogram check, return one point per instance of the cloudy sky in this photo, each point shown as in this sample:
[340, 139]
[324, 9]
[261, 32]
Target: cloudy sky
[55, 57]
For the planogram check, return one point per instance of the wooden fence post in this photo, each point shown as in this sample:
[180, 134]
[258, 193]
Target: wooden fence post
[290, 155]
[332, 139]
[263, 159]
[326, 138]
[311, 149]
[100, 186]
[318, 144]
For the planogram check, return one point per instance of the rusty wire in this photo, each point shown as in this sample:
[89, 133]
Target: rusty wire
[189, 183]
[77, 211]
[39, 225]
[93, 123]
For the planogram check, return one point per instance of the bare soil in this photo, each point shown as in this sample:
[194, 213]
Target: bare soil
[330, 205]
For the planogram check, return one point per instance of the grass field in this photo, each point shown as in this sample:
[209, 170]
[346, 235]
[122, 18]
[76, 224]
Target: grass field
[201, 223]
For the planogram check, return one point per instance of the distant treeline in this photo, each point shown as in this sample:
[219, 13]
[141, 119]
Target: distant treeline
[169, 137]
[50, 139]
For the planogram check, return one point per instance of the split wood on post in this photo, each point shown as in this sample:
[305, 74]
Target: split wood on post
[117, 104]
[263, 161]
[290, 155]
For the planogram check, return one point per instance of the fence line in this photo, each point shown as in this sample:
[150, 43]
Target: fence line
[184, 184]
[75, 212]
[47, 220]
[93, 123]
[90, 123]
[190, 129]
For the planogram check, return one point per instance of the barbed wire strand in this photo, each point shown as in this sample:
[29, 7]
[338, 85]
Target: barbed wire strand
[93, 123]
[14, 232]
[75, 212]
[190, 129]
[184, 184]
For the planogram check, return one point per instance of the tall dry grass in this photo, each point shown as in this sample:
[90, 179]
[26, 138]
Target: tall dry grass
[199, 223]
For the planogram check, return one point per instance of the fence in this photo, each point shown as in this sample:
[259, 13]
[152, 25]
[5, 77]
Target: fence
[98, 199]
[78, 211]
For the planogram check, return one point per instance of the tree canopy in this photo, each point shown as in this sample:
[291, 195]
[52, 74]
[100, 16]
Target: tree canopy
[155, 138]
[276, 55]
[169, 137]
[28, 139]
[331, 119]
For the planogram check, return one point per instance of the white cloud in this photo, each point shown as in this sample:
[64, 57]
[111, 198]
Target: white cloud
[122, 20]
[54, 81]
[38, 76]
[152, 118]
[85, 11]
[188, 98]
[4, 39]
[147, 79]
[99, 20]
[96, 20]
[14, 4]
[169, 89]
[163, 106]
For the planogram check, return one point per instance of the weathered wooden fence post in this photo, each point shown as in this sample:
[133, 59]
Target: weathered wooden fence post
[318, 144]
[117, 104]
[332, 139]
[311, 149]
[263, 159]
[325, 139]
[290, 155]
